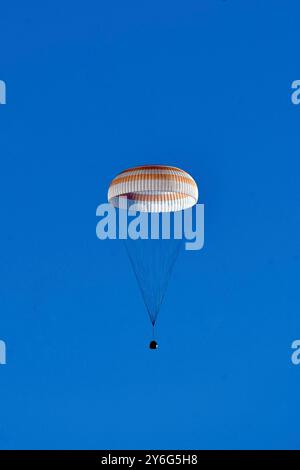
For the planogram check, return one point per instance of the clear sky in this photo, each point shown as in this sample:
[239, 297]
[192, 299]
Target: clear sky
[94, 87]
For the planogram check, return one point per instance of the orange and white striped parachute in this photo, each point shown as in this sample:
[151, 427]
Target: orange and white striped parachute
[153, 188]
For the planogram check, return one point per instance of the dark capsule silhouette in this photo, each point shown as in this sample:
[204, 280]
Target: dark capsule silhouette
[153, 345]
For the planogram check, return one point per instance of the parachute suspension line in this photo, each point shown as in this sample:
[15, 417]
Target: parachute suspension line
[168, 272]
[159, 264]
[153, 329]
[138, 279]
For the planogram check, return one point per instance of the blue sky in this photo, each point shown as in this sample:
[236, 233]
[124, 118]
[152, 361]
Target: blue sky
[95, 87]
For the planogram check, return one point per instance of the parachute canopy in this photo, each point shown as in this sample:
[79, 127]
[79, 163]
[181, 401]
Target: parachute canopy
[153, 188]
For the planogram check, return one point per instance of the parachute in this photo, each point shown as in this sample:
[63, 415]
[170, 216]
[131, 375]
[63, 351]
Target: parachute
[159, 193]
